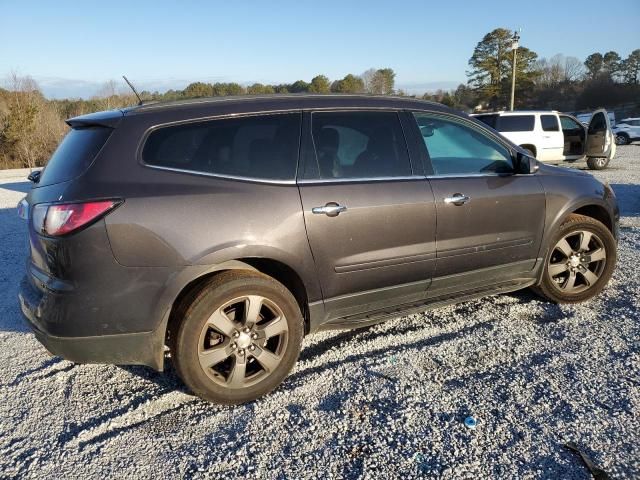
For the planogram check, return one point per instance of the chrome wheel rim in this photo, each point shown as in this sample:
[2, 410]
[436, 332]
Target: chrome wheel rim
[621, 140]
[577, 262]
[243, 341]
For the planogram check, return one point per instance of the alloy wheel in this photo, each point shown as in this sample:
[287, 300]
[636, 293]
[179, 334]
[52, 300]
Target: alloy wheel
[243, 341]
[577, 261]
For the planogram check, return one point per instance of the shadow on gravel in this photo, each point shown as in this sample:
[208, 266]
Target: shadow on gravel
[13, 254]
[23, 187]
[628, 195]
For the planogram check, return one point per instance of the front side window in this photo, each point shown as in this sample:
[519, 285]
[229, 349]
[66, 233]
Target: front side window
[359, 145]
[458, 149]
[516, 123]
[549, 123]
[262, 147]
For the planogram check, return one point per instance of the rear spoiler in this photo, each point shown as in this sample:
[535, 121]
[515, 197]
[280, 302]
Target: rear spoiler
[109, 118]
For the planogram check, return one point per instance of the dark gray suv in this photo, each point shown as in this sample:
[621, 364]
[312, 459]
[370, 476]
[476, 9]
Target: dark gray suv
[224, 230]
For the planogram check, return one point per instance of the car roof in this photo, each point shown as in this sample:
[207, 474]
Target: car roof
[305, 100]
[628, 118]
[245, 104]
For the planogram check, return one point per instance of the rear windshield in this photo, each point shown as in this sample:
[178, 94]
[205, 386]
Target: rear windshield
[74, 154]
[516, 123]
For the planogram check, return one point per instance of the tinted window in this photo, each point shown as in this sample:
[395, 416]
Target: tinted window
[359, 145]
[264, 147]
[488, 119]
[455, 148]
[598, 123]
[515, 123]
[74, 154]
[549, 123]
[569, 124]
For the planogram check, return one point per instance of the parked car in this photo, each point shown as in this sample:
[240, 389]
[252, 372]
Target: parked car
[224, 230]
[627, 130]
[555, 137]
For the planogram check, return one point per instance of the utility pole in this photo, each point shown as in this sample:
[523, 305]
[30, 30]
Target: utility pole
[514, 47]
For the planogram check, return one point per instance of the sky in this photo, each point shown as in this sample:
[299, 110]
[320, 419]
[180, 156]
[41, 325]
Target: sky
[72, 48]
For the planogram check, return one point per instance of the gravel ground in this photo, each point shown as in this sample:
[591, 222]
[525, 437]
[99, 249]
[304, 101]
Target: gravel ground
[383, 402]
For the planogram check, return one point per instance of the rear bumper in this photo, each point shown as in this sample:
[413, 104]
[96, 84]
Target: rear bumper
[139, 348]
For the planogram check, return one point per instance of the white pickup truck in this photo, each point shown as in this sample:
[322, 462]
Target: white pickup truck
[556, 137]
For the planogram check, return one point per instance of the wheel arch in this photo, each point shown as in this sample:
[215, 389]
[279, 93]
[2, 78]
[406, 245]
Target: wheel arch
[589, 207]
[597, 212]
[273, 268]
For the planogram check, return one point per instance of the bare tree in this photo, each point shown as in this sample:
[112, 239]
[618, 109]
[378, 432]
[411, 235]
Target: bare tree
[573, 69]
[107, 94]
[368, 78]
[30, 128]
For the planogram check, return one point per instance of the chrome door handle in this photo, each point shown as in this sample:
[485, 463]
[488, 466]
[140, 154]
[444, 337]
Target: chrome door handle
[457, 199]
[331, 209]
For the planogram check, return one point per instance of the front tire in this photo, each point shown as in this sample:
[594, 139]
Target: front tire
[237, 337]
[579, 262]
[598, 163]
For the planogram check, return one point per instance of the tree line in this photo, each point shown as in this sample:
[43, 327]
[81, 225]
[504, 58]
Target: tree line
[31, 126]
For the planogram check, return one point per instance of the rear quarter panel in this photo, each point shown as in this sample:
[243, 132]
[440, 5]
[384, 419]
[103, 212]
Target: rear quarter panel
[182, 220]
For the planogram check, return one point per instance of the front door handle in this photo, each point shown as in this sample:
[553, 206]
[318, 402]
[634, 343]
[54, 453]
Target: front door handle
[331, 209]
[457, 199]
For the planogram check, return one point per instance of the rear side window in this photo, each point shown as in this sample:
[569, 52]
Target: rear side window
[74, 154]
[488, 120]
[516, 123]
[549, 123]
[262, 147]
[359, 145]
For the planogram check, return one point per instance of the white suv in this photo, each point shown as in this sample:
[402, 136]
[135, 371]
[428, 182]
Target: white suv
[551, 136]
[627, 130]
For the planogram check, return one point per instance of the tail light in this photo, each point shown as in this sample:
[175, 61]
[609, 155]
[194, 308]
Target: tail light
[60, 219]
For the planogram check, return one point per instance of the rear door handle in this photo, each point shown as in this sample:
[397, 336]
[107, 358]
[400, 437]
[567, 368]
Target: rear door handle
[457, 199]
[331, 209]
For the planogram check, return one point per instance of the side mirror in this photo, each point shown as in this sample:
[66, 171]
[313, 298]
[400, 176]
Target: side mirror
[526, 164]
[35, 176]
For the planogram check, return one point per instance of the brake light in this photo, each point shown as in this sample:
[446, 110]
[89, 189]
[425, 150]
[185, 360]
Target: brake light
[63, 218]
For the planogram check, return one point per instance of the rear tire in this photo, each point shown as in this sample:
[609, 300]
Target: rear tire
[237, 337]
[598, 163]
[579, 262]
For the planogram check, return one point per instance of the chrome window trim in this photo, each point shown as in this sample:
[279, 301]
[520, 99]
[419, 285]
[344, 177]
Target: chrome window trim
[470, 175]
[360, 179]
[222, 176]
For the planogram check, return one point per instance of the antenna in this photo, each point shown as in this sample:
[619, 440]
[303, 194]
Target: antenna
[134, 90]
